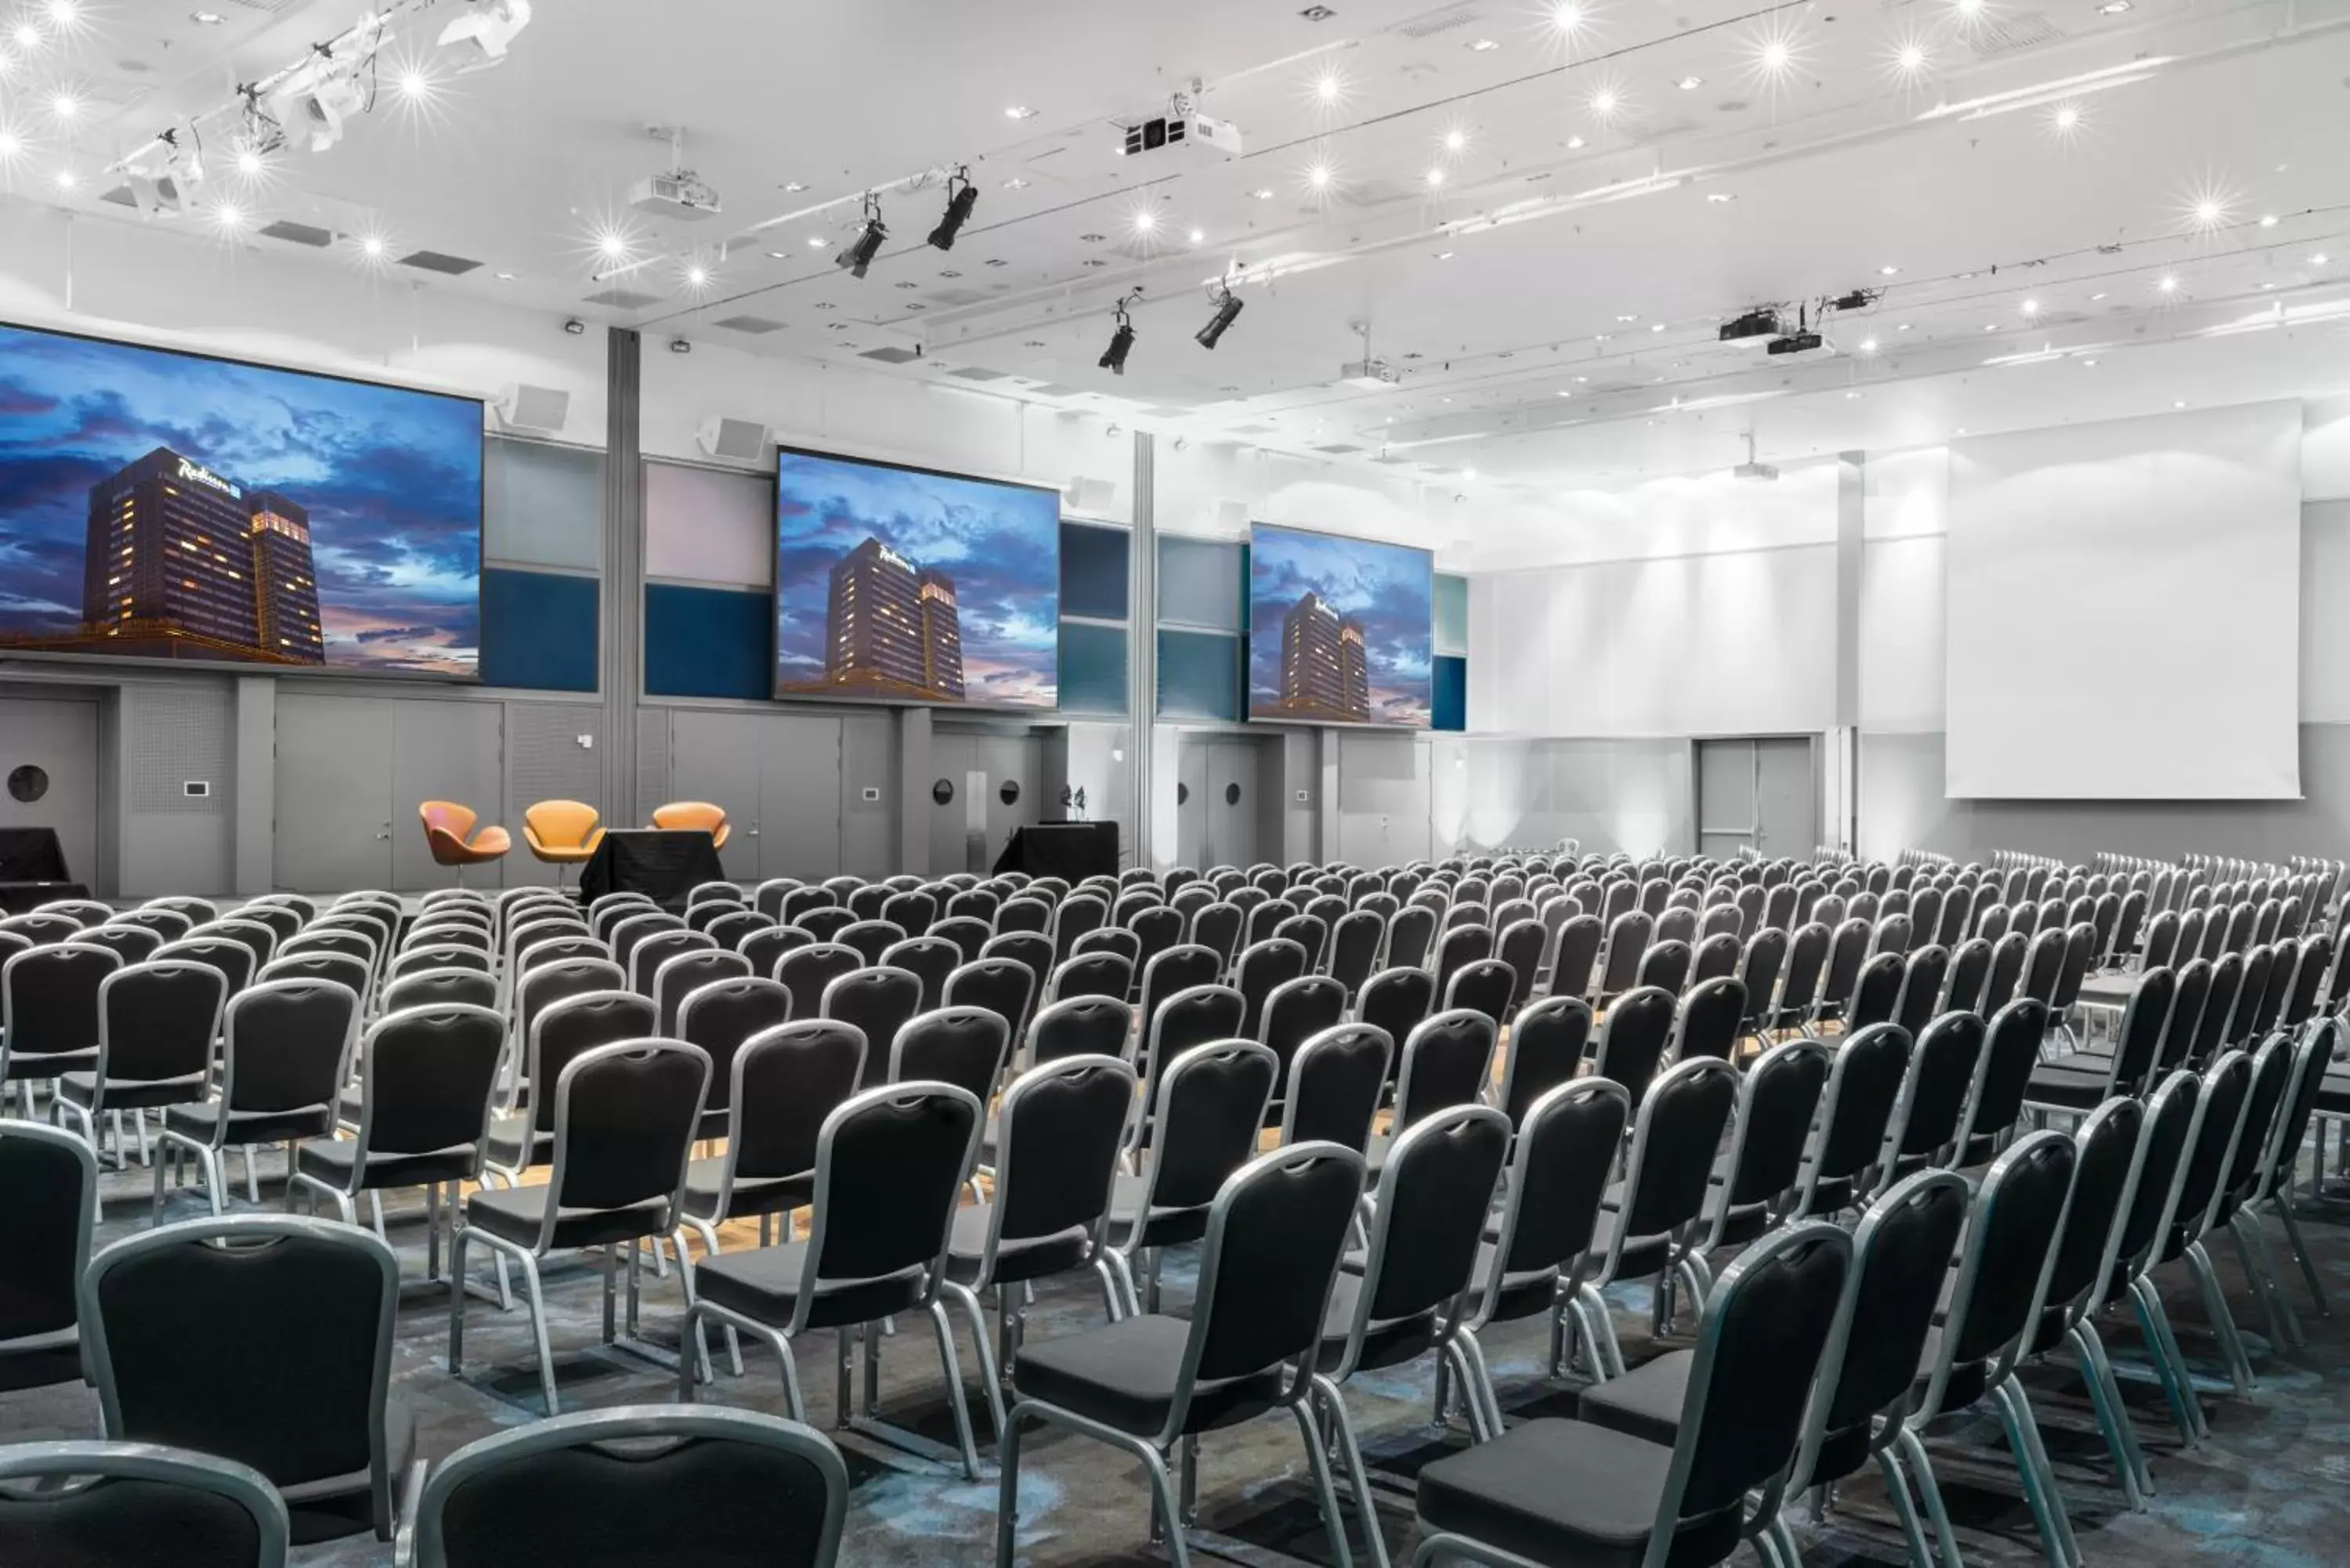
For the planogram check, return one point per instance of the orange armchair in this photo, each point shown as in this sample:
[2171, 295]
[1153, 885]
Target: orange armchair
[446, 824]
[693, 816]
[562, 832]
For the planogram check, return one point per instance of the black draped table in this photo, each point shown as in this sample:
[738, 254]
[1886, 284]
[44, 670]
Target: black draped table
[1072, 851]
[663, 864]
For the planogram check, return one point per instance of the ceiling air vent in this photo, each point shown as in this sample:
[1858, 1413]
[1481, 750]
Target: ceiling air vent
[294, 234]
[621, 299]
[890, 354]
[1994, 36]
[1054, 389]
[751, 323]
[1339, 448]
[434, 261]
[1444, 19]
[979, 373]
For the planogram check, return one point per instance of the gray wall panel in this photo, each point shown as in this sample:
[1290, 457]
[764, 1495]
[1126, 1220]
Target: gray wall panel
[1902, 806]
[545, 761]
[541, 505]
[1383, 798]
[173, 733]
[1632, 794]
[869, 764]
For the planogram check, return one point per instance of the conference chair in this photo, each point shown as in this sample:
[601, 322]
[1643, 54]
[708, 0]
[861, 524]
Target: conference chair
[285, 1051]
[156, 1025]
[1864, 1086]
[42, 927]
[1923, 1130]
[263, 1339]
[446, 828]
[678, 975]
[1648, 1230]
[1576, 1492]
[49, 1204]
[132, 1500]
[890, 1165]
[428, 1078]
[1547, 1043]
[694, 816]
[560, 1029]
[1078, 1026]
[1778, 1097]
[1204, 1106]
[50, 1013]
[625, 1118]
[1335, 1081]
[1151, 1385]
[1446, 1061]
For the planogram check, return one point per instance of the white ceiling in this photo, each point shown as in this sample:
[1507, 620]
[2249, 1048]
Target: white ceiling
[1551, 306]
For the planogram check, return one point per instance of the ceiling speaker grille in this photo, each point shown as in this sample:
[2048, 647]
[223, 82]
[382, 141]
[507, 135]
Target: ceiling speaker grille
[435, 261]
[1994, 36]
[1429, 24]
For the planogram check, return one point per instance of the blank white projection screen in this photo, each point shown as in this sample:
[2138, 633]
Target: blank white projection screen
[2123, 610]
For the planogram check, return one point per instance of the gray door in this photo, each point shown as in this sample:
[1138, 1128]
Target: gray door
[1786, 796]
[798, 815]
[1756, 793]
[335, 817]
[48, 759]
[1383, 798]
[1234, 780]
[714, 757]
[1015, 764]
[443, 750]
[1192, 803]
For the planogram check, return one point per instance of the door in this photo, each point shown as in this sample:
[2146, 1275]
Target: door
[1756, 793]
[798, 815]
[714, 757]
[334, 819]
[1235, 776]
[1192, 803]
[48, 760]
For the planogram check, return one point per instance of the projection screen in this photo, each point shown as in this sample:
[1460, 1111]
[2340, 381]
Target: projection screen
[2123, 610]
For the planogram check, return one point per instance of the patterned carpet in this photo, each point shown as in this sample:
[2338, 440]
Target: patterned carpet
[2271, 1488]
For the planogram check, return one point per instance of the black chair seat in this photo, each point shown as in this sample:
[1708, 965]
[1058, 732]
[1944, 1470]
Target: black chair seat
[754, 1195]
[348, 1107]
[514, 1147]
[1833, 1195]
[1165, 1227]
[1968, 1378]
[1646, 1402]
[39, 1064]
[1034, 1257]
[331, 1161]
[514, 1214]
[2073, 1088]
[2334, 1095]
[1123, 1376]
[766, 1284]
[1642, 1256]
[1745, 1222]
[204, 1123]
[134, 1093]
[1562, 1492]
[1385, 1345]
[1522, 1294]
[40, 1360]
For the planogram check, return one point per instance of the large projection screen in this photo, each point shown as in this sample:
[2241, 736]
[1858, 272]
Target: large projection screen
[2123, 610]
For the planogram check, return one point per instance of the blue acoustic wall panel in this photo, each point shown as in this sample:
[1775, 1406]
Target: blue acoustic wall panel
[538, 630]
[1093, 668]
[1093, 574]
[1199, 675]
[1450, 700]
[706, 642]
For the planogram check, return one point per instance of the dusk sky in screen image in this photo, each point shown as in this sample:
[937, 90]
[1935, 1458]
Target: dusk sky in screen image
[391, 480]
[1000, 544]
[1391, 588]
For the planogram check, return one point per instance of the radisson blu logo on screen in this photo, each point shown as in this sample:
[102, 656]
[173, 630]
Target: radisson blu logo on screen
[199, 474]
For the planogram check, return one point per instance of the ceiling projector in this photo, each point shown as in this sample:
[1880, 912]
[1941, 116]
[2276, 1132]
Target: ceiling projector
[680, 194]
[1183, 129]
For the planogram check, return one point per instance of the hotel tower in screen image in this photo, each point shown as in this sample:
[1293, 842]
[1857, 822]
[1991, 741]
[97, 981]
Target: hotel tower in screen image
[1325, 674]
[890, 630]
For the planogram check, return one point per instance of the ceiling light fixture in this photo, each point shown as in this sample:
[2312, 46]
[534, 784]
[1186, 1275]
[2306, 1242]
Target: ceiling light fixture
[1318, 176]
[1199, 236]
[1909, 58]
[206, 19]
[858, 255]
[1567, 18]
[64, 106]
[1689, 84]
[1887, 270]
[1455, 139]
[1121, 341]
[1228, 310]
[2113, 7]
[2031, 307]
[1482, 46]
[1575, 144]
[1019, 111]
[1329, 88]
[2066, 119]
[490, 26]
[65, 180]
[1868, 345]
[962, 199]
[817, 241]
[1261, 193]
[1435, 177]
[1605, 104]
[2317, 260]
[2169, 285]
[1146, 221]
[1717, 197]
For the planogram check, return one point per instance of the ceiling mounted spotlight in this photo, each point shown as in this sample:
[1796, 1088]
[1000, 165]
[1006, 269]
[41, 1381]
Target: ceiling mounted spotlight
[1121, 341]
[960, 204]
[490, 26]
[1857, 299]
[859, 253]
[1228, 310]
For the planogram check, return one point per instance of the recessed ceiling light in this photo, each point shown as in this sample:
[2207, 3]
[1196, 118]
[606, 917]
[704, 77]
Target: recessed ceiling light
[2031, 307]
[2268, 220]
[2179, 404]
[2113, 7]
[1868, 345]
[65, 106]
[2266, 287]
[1970, 7]
[1582, 380]
[1328, 88]
[779, 255]
[1573, 143]
[1197, 236]
[206, 19]
[1146, 221]
[1852, 397]
[1444, 256]
[505, 278]
[794, 187]
[1886, 271]
[1261, 194]
[1628, 319]
[2088, 364]
[2067, 118]
[1909, 59]
[1656, 327]
[1604, 103]
[1904, 326]
[1717, 197]
[371, 246]
[1318, 176]
[2317, 260]
[1455, 139]
[1480, 45]
[815, 241]
[2169, 285]
[1436, 177]
[2099, 295]
[1015, 183]
[1689, 84]
[1019, 111]
[1566, 391]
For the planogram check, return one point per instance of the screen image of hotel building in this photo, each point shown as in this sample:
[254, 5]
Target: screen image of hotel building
[182, 563]
[890, 630]
[1324, 673]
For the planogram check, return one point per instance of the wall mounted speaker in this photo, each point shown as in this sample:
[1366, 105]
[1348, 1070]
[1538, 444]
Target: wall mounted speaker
[540, 410]
[736, 441]
[1083, 494]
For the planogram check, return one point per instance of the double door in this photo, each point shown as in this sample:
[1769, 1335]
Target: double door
[982, 787]
[1221, 784]
[350, 773]
[778, 779]
[1760, 792]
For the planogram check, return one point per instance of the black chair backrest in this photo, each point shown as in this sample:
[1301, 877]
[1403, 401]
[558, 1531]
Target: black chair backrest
[680, 975]
[133, 1502]
[427, 1074]
[1057, 1144]
[158, 1021]
[1709, 1019]
[1354, 948]
[1258, 971]
[1412, 931]
[1676, 1137]
[48, 1001]
[720, 1016]
[786, 1080]
[1942, 1068]
[2019, 1215]
[807, 972]
[1335, 1080]
[1091, 974]
[129, 943]
[1274, 1239]
[890, 1164]
[571, 1028]
[1578, 951]
[1210, 1107]
[287, 1044]
[48, 1199]
[965, 1046]
[1632, 1039]
[1080, 1026]
[1176, 969]
[2267, 1099]
[1919, 998]
[1434, 1194]
[1565, 1157]
[1001, 985]
[1877, 993]
[2104, 1149]
[928, 959]
[1863, 1088]
[1448, 1060]
[1482, 985]
[878, 1002]
[1760, 1346]
[1547, 1046]
[1777, 1100]
[194, 1340]
[625, 1118]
